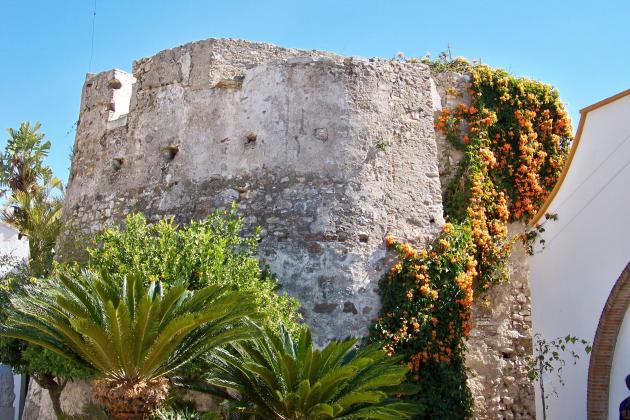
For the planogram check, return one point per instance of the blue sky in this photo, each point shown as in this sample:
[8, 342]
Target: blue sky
[581, 47]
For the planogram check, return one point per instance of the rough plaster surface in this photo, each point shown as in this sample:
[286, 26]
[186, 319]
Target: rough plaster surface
[292, 137]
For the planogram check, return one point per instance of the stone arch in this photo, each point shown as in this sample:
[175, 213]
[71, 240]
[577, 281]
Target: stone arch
[604, 347]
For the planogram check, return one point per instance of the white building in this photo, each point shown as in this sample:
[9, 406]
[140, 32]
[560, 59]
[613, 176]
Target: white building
[580, 282]
[11, 245]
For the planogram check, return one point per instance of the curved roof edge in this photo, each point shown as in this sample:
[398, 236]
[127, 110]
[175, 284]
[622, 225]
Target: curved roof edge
[576, 141]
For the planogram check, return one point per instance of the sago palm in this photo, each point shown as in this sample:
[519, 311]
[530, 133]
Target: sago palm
[275, 377]
[132, 335]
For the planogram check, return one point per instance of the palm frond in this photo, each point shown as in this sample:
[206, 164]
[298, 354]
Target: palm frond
[126, 329]
[275, 377]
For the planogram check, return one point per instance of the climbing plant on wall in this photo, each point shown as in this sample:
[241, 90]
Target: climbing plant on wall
[515, 141]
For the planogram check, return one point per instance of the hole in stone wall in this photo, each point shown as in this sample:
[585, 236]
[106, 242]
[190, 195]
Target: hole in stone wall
[251, 137]
[117, 163]
[169, 152]
[235, 83]
[114, 84]
[321, 134]
[243, 188]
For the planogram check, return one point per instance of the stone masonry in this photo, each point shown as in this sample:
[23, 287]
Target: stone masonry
[328, 154]
[292, 138]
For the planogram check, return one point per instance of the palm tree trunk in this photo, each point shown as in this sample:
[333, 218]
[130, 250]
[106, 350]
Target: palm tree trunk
[128, 399]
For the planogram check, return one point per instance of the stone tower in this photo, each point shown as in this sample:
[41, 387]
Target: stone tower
[327, 154]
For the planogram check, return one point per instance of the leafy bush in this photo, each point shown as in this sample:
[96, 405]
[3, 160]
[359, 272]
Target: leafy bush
[275, 377]
[207, 252]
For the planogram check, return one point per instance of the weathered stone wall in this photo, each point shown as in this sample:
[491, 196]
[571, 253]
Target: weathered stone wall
[74, 400]
[7, 393]
[501, 337]
[77, 403]
[327, 154]
[499, 342]
[291, 137]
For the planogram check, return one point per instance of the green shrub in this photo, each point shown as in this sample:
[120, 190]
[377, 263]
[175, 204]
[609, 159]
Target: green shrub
[206, 252]
[275, 377]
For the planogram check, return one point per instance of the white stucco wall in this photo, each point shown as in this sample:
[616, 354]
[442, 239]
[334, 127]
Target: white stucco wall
[587, 249]
[10, 244]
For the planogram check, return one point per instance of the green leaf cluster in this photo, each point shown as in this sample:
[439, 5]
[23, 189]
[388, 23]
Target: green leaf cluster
[413, 324]
[22, 165]
[212, 251]
[277, 377]
[34, 200]
[37, 215]
[126, 330]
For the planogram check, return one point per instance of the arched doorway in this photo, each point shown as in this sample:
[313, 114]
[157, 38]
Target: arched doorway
[604, 347]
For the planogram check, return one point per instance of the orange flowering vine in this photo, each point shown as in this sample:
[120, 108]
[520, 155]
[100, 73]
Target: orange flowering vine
[515, 135]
